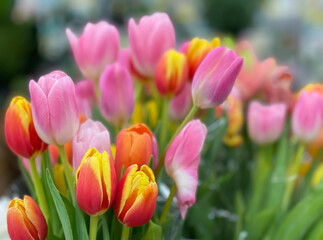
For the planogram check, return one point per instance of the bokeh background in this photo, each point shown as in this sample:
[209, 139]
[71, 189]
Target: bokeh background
[33, 41]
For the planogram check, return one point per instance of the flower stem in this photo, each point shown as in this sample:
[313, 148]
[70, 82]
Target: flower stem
[293, 175]
[93, 227]
[68, 172]
[168, 203]
[125, 232]
[39, 188]
[188, 118]
[164, 124]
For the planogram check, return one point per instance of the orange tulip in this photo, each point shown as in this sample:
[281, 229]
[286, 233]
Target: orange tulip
[20, 131]
[134, 146]
[96, 182]
[25, 220]
[136, 196]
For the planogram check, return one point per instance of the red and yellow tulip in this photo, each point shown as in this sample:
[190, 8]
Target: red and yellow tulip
[96, 182]
[20, 132]
[136, 196]
[25, 220]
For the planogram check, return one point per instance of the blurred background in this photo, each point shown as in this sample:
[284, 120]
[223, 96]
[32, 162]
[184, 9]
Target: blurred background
[33, 40]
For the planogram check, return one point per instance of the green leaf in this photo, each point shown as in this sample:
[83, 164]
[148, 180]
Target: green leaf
[60, 207]
[106, 235]
[301, 218]
[27, 178]
[260, 223]
[154, 232]
[317, 232]
[81, 229]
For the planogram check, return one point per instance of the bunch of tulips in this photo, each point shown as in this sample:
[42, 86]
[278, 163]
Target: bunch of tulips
[100, 179]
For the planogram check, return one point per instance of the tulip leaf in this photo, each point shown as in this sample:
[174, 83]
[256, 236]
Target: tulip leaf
[301, 218]
[60, 207]
[317, 232]
[154, 232]
[80, 224]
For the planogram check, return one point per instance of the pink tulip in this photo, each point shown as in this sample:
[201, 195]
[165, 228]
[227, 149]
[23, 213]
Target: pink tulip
[54, 108]
[307, 116]
[124, 58]
[214, 78]
[180, 105]
[117, 94]
[155, 152]
[85, 96]
[184, 47]
[266, 123]
[97, 47]
[90, 135]
[148, 40]
[182, 161]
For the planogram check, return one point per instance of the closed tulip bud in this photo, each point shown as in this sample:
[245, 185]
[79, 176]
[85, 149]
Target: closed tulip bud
[196, 51]
[117, 94]
[20, 132]
[307, 116]
[148, 41]
[265, 123]
[182, 161]
[85, 96]
[214, 79]
[97, 47]
[54, 108]
[90, 135]
[171, 73]
[25, 220]
[96, 182]
[134, 146]
[136, 196]
[180, 105]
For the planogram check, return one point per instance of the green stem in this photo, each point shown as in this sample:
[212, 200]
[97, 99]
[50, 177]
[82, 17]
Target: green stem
[68, 172]
[168, 203]
[164, 124]
[188, 118]
[39, 188]
[125, 232]
[293, 175]
[93, 227]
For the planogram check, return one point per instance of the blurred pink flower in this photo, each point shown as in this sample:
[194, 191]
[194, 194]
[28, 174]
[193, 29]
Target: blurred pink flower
[180, 105]
[85, 96]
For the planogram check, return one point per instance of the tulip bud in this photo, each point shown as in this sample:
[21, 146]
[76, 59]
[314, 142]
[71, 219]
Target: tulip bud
[59, 178]
[96, 182]
[182, 160]
[307, 116]
[180, 105]
[117, 94]
[85, 96]
[148, 40]
[196, 52]
[25, 220]
[20, 132]
[90, 135]
[214, 78]
[171, 73]
[136, 196]
[265, 123]
[54, 108]
[134, 146]
[97, 47]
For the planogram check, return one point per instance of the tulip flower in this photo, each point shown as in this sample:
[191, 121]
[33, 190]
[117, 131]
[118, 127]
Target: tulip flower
[124, 58]
[307, 116]
[148, 41]
[214, 79]
[96, 182]
[85, 96]
[180, 105]
[134, 146]
[136, 196]
[97, 47]
[196, 51]
[54, 108]
[90, 135]
[265, 123]
[117, 94]
[25, 220]
[20, 132]
[182, 160]
[171, 73]
[184, 47]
